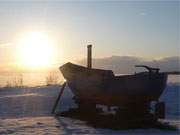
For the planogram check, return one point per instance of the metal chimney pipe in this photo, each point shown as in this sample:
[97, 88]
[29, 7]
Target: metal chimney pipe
[89, 56]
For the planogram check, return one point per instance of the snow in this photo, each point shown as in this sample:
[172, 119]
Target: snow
[27, 111]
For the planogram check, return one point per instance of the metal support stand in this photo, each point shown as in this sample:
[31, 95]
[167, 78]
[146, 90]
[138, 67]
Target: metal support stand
[58, 98]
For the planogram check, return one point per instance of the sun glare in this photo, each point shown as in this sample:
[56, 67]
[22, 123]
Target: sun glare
[35, 50]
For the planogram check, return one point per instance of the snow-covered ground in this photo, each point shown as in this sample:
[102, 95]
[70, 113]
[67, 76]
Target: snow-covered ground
[27, 111]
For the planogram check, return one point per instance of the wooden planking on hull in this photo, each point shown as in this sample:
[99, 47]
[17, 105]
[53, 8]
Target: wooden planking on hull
[101, 86]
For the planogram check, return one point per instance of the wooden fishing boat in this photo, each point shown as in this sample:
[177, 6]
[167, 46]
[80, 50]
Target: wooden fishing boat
[103, 87]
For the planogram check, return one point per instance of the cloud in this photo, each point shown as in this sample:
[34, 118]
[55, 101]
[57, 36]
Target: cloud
[143, 13]
[125, 64]
[5, 45]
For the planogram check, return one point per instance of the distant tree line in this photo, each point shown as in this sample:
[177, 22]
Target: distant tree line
[17, 81]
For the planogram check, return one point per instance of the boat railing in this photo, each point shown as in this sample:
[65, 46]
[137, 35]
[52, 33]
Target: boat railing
[150, 69]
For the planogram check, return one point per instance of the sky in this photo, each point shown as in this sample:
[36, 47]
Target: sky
[146, 29]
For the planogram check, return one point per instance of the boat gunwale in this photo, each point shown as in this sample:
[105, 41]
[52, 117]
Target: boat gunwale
[105, 70]
[86, 68]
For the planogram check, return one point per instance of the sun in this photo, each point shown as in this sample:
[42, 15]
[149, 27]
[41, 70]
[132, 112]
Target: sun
[35, 50]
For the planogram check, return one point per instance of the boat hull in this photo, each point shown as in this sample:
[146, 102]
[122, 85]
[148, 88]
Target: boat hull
[102, 87]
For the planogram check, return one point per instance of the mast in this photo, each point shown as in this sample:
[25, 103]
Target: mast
[89, 56]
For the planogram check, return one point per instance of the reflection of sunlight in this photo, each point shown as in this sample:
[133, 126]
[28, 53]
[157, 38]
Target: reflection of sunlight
[35, 50]
[21, 95]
